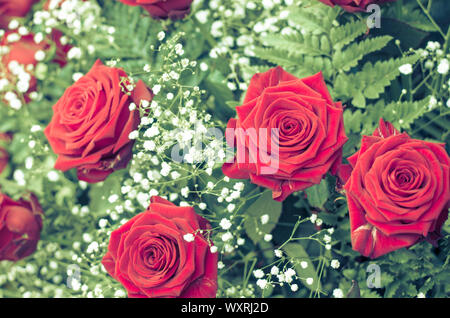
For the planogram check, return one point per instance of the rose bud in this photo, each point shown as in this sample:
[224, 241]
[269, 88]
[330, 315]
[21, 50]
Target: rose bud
[20, 227]
[92, 122]
[163, 9]
[288, 134]
[398, 192]
[161, 253]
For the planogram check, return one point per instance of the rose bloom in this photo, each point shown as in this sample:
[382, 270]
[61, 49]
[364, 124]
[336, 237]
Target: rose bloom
[20, 227]
[398, 192]
[10, 9]
[354, 5]
[92, 122]
[151, 258]
[309, 133]
[163, 9]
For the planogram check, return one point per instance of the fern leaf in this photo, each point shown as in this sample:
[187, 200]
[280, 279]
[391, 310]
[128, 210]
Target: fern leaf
[343, 35]
[348, 58]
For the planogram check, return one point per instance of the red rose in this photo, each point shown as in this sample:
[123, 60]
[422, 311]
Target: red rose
[398, 192]
[163, 9]
[20, 227]
[354, 5]
[14, 8]
[92, 121]
[149, 256]
[310, 133]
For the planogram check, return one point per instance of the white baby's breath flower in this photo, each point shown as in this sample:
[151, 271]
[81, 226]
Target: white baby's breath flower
[337, 293]
[406, 69]
[188, 237]
[258, 273]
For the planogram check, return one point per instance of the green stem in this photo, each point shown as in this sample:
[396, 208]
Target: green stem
[427, 13]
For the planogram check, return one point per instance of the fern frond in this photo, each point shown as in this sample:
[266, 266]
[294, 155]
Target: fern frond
[350, 56]
[343, 35]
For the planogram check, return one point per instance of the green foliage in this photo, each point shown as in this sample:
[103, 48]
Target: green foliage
[298, 254]
[318, 194]
[264, 205]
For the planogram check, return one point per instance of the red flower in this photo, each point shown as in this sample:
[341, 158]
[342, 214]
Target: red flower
[309, 126]
[20, 227]
[398, 192]
[354, 5]
[92, 121]
[149, 256]
[163, 9]
[10, 9]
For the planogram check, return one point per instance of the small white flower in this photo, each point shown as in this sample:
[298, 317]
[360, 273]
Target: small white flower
[406, 69]
[240, 241]
[337, 293]
[335, 263]
[274, 270]
[53, 176]
[77, 76]
[203, 66]
[258, 273]
[262, 283]
[278, 253]
[161, 35]
[119, 293]
[443, 67]
[294, 287]
[268, 237]
[309, 280]
[149, 145]
[264, 219]
[421, 295]
[189, 237]
[304, 264]
[225, 224]
[133, 135]
[74, 53]
[13, 24]
[227, 236]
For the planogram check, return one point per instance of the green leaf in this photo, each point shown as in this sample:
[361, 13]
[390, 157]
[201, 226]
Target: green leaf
[298, 254]
[354, 291]
[318, 194]
[262, 206]
[348, 58]
[347, 33]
